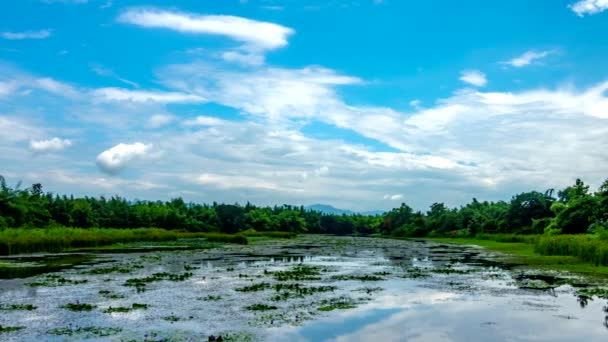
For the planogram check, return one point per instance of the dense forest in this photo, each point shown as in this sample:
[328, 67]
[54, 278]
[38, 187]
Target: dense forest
[573, 210]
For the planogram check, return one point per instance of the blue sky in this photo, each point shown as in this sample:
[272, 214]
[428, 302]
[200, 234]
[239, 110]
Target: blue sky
[359, 104]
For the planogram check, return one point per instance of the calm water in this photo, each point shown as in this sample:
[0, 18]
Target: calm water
[382, 290]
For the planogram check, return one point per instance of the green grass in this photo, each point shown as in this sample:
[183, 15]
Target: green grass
[588, 248]
[269, 234]
[32, 240]
[526, 254]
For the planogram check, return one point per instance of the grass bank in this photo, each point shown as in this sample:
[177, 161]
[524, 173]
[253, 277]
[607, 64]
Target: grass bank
[562, 253]
[19, 241]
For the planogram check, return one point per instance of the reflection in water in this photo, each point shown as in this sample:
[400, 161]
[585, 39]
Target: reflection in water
[422, 292]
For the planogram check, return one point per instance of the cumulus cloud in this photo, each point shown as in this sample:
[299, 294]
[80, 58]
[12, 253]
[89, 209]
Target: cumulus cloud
[473, 77]
[527, 58]
[118, 157]
[589, 7]
[138, 96]
[41, 34]
[49, 145]
[256, 34]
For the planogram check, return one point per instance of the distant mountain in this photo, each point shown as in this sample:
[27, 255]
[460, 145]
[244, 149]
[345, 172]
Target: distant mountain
[328, 209]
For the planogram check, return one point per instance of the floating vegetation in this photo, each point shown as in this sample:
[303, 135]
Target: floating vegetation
[359, 277]
[336, 307]
[210, 298]
[261, 307]
[591, 292]
[114, 269]
[78, 307]
[6, 329]
[298, 273]
[55, 280]
[122, 309]
[140, 283]
[28, 307]
[109, 295]
[254, 287]
[190, 268]
[416, 273]
[369, 290]
[172, 318]
[86, 332]
[449, 270]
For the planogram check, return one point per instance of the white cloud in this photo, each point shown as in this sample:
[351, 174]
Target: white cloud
[49, 145]
[527, 58]
[118, 157]
[257, 34]
[102, 71]
[589, 7]
[473, 77]
[244, 58]
[41, 34]
[159, 120]
[119, 94]
[395, 197]
[53, 86]
[203, 121]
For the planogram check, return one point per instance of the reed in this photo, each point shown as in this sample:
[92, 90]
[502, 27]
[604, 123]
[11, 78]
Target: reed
[588, 248]
[32, 240]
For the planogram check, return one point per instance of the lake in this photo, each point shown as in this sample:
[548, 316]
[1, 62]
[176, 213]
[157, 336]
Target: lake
[312, 288]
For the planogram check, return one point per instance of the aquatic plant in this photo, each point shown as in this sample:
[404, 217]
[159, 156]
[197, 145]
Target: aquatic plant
[55, 280]
[336, 307]
[140, 283]
[297, 273]
[122, 309]
[28, 307]
[261, 307]
[6, 329]
[359, 277]
[114, 269]
[86, 331]
[594, 291]
[173, 318]
[78, 306]
[210, 298]
[254, 287]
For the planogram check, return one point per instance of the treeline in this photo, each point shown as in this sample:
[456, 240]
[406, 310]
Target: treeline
[573, 210]
[32, 207]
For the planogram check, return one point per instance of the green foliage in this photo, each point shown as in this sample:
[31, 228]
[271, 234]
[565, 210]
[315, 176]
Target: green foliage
[261, 307]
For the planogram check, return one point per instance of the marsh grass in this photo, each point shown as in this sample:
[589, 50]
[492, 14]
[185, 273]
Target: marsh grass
[588, 248]
[210, 298]
[32, 240]
[359, 277]
[269, 234]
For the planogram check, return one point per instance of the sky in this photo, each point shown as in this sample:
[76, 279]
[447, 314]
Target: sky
[360, 104]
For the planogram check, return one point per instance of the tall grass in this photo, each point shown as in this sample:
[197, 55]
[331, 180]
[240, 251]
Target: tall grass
[269, 234]
[16, 241]
[531, 239]
[586, 247]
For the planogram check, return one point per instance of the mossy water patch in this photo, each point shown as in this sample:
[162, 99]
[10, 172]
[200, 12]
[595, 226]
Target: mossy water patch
[298, 273]
[140, 283]
[336, 307]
